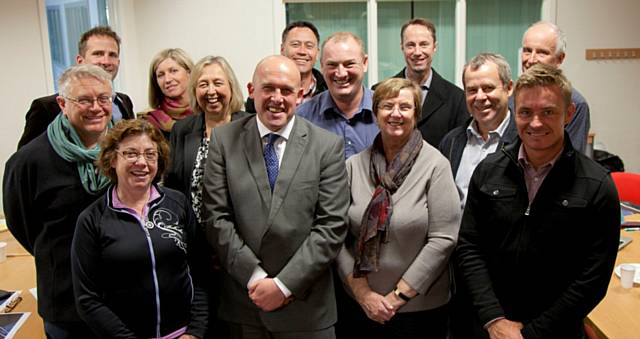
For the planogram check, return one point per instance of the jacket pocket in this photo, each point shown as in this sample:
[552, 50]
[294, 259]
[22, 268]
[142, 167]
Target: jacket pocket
[498, 192]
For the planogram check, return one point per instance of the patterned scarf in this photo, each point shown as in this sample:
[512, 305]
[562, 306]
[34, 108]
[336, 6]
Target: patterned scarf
[166, 115]
[67, 144]
[374, 228]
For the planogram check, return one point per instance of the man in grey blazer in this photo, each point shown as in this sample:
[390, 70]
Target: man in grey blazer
[276, 235]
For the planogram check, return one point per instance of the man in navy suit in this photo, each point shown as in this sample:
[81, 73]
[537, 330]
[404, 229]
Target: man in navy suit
[98, 46]
[275, 201]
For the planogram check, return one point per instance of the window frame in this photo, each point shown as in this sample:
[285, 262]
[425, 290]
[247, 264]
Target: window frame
[46, 47]
[548, 12]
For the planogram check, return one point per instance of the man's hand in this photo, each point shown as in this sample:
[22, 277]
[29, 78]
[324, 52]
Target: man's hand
[376, 307]
[505, 329]
[266, 295]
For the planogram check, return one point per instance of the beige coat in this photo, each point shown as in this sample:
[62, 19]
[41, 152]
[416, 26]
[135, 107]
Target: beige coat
[423, 228]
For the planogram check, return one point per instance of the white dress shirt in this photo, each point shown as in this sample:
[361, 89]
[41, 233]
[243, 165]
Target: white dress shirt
[475, 151]
[279, 145]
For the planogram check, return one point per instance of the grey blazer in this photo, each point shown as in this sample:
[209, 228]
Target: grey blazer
[186, 136]
[293, 234]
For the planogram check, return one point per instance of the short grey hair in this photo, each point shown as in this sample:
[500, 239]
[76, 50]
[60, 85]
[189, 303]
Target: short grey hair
[561, 38]
[504, 71]
[82, 71]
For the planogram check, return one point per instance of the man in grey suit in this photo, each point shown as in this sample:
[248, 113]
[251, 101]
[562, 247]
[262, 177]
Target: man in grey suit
[275, 203]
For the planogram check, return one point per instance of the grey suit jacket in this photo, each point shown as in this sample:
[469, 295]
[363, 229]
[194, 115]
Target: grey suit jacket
[293, 234]
[186, 136]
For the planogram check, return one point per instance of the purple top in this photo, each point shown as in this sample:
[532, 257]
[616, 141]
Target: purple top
[153, 194]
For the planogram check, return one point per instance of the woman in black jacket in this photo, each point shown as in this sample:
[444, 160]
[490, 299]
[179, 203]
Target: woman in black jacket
[138, 269]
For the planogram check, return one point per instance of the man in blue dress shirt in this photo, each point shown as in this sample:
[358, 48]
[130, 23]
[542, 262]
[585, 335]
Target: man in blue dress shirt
[345, 108]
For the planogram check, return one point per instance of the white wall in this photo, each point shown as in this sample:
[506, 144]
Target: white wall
[24, 69]
[241, 31]
[610, 87]
[245, 31]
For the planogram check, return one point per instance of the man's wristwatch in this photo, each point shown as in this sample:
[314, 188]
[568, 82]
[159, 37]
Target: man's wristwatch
[401, 295]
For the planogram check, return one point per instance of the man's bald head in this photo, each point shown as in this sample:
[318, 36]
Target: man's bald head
[276, 90]
[277, 64]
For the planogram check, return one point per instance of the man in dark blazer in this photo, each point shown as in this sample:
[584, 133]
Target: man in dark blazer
[275, 201]
[443, 103]
[99, 46]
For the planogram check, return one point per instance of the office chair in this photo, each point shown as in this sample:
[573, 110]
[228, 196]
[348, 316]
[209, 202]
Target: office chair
[628, 185]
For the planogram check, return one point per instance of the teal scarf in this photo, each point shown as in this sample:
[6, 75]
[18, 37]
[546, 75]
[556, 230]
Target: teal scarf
[66, 142]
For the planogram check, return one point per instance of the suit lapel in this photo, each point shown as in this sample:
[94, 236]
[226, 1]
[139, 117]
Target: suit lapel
[125, 109]
[289, 166]
[252, 146]
[434, 100]
[191, 145]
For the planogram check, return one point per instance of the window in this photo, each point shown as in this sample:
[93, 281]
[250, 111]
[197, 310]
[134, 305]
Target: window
[497, 26]
[66, 21]
[393, 14]
[479, 25]
[330, 17]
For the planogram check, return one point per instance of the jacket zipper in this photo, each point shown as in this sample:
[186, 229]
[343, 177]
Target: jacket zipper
[142, 224]
[155, 277]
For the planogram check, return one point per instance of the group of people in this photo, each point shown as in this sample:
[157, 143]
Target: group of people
[324, 209]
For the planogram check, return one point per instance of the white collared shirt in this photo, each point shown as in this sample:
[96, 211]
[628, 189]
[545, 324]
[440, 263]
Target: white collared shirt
[475, 151]
[279, 145]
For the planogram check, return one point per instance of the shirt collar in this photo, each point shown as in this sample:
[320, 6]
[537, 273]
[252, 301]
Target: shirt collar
[153, 195]
[472, 129]
[427, 83]
[524, 160]
[307, 93]
[327, 103]
[283, 132]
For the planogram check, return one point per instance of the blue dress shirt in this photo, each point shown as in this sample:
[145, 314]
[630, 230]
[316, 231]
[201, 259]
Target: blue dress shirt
[358, 132]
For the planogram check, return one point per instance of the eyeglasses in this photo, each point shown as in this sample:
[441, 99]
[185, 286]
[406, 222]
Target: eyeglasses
[402, 107]
[86, 102]
[133, 156]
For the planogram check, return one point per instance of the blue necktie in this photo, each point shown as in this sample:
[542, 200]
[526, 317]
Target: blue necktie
[271, 159]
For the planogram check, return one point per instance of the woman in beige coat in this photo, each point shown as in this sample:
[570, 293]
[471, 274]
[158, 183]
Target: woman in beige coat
[403, 222]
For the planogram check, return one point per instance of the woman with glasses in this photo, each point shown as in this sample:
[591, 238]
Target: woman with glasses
[136, 255]
[403, 221]
[168, 95]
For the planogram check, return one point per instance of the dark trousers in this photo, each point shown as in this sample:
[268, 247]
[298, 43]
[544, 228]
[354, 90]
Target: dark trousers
[68, 330]
[240, 331]
[354, 323]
